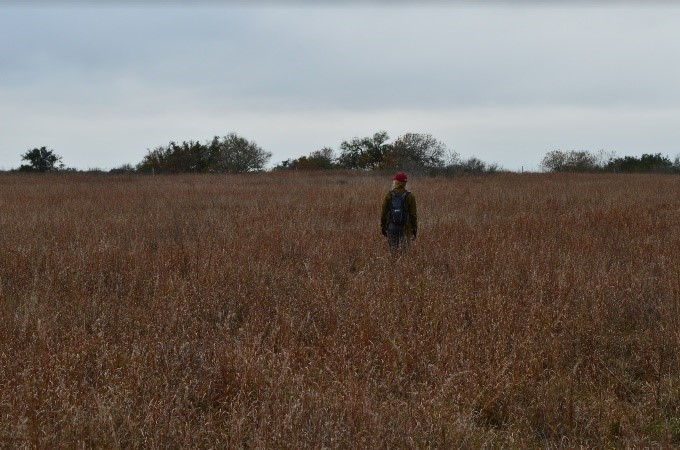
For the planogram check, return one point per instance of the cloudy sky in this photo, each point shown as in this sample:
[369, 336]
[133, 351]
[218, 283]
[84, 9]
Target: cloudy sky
[506, 82]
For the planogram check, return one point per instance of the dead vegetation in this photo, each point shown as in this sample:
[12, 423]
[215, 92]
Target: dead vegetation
[266, 312]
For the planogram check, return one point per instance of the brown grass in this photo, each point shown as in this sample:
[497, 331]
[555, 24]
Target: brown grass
[266, 312]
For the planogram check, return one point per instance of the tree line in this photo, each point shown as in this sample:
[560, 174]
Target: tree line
[585, 161]
[229, 154]
[417, 153]
[412, 152]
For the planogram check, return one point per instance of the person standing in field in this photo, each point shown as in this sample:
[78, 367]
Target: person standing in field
[399, 218]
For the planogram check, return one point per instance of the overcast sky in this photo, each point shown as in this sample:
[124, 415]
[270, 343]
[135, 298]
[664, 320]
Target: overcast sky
[101, 85]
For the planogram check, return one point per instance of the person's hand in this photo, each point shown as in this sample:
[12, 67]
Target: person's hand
[383, 231]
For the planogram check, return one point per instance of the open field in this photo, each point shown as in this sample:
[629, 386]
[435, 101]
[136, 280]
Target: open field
[265, 311]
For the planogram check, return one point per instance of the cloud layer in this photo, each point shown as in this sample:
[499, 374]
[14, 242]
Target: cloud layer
[101, 85]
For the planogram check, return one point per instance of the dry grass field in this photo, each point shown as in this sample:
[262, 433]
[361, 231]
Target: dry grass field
[265, 311]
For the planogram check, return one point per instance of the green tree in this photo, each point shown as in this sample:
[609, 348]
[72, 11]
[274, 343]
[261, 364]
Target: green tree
[230, 153]
[476, 166]
[323, 159]
[154, 160]
[454, 165]
[41, 160]
[645, 163]
[364, 153]
[185, 157]
[236, 154]
[415, 152]
[572, 161]
[288, 164]
[123, 169]
[554, 161]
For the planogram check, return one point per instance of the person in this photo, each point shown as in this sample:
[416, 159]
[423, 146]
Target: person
[399, 218]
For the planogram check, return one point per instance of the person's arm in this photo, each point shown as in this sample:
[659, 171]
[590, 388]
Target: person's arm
[384, 214]
[413, 212]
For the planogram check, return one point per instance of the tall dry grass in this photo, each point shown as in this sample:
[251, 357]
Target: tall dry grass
[265, 311]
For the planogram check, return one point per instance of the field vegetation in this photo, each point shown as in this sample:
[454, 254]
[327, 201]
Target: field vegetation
[265, 311]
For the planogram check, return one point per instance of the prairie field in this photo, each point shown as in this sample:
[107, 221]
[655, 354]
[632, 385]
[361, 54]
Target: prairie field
[266, 311]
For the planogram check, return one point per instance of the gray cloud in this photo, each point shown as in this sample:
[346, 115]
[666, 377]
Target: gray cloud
[269, 70]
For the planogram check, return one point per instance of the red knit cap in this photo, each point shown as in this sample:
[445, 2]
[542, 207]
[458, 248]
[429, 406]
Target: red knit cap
[400, 176]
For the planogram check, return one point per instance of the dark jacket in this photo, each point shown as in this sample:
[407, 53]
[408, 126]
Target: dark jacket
[411, 222]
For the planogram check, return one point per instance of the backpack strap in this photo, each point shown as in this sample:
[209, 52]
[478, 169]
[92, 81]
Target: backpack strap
[394, 194]
[403, 200]
[395, 197]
